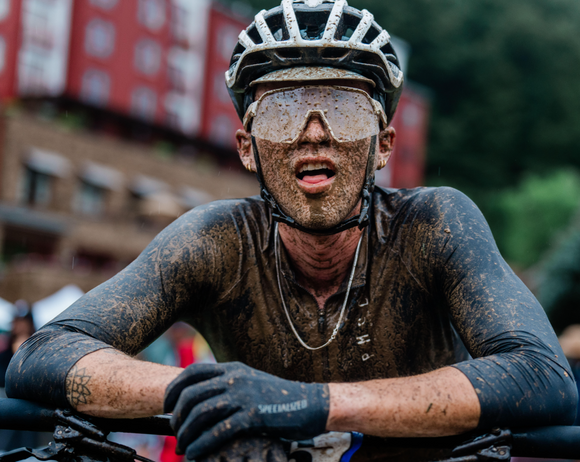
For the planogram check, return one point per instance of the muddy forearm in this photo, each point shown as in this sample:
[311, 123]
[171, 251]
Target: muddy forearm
[439, 403]
[108, 383]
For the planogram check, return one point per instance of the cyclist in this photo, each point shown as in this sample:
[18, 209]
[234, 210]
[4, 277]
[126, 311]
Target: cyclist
[349, 308]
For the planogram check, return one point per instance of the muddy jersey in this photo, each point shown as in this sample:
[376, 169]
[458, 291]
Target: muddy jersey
[430, 290]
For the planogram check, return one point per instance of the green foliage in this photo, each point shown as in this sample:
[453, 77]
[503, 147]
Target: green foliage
[559, 289]
[530, 215]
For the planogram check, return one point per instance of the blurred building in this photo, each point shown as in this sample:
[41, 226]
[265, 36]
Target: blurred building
[116, 121]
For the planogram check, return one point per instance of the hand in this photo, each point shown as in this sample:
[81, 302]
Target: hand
[252, 449]
[213, 403]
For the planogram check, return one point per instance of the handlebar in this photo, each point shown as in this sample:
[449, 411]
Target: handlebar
[548, 442]
[18, 414]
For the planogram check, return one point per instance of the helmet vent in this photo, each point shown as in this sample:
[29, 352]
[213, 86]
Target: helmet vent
[237, 54]
[389, 53]
[346, 27]
[372, 34]
[335, 53]
[255, 35]
[312, 24]
[278, 27]
[288, 53]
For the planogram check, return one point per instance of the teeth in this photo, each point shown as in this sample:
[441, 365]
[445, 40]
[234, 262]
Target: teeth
[314, 166]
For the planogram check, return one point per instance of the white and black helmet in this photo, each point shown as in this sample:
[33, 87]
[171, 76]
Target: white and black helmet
[315, 33]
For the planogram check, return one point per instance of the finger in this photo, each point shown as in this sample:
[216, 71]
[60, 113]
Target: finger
[205, 415]
[215, 437]
[191, 397]
[193, 374]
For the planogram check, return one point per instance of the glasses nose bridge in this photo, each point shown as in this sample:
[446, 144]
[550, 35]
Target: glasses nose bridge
[316, 127]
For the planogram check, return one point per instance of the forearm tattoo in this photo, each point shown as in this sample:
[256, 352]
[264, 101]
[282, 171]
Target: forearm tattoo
[77, 390]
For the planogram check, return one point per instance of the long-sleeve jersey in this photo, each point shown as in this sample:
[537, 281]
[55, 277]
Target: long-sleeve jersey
[430, 290]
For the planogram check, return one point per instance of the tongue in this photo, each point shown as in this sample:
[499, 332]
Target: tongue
[314, 179]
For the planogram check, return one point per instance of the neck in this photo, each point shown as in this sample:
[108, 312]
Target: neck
[320, 262]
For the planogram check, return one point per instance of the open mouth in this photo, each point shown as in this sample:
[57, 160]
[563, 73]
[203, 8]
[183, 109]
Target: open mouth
[315, 172]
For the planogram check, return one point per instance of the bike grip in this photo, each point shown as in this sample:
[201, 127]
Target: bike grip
[18, 414]
[547, 442]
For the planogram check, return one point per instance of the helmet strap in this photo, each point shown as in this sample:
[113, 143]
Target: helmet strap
[361, 220]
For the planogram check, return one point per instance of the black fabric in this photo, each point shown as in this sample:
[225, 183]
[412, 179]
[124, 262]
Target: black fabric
[430, 290]
[214, 403]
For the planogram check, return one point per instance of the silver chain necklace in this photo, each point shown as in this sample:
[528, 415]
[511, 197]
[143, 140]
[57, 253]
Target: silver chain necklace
[278, 271]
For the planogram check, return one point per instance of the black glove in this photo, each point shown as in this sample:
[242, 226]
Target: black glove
[252, 449]
[213, 403]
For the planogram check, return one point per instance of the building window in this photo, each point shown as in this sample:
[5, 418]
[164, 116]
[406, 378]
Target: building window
[37, 17]
[176, 68]
[144, 103]
[104, 4]
[23, 242]
[4, 9]
[151, 14]
[31, 71]
[100, 38]
[185, 70]
[90, 199]
[95, 87]
[96, 182]
[148, 56]
[179, 23]
[36, 188]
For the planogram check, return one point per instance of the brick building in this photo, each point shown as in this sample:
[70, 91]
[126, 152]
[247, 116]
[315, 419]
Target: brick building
[76, 206]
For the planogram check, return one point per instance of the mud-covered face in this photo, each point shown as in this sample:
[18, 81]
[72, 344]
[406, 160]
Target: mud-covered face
[315, 169]
[316, 180]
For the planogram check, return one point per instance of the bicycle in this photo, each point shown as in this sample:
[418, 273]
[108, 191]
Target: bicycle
[81, 438]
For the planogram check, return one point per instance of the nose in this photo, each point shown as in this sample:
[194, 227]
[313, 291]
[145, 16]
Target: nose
[315, 131]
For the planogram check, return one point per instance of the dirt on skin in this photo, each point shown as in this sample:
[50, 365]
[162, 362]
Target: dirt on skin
[315, 211]
[430, 286]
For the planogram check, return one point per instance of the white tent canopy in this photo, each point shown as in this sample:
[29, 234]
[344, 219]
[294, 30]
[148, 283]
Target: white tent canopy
[48, 308]
[7, 312]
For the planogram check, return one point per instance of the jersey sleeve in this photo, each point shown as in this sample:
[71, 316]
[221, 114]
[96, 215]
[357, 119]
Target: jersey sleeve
[181, 271]
[518, 369]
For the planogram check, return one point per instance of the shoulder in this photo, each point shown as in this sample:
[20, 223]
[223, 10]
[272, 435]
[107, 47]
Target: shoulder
[207, 228]
[421, 203]
[218, 216]
[434, 213]
[420, 196]
[209, 237]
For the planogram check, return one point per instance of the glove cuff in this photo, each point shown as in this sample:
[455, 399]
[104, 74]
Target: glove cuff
[323, 404]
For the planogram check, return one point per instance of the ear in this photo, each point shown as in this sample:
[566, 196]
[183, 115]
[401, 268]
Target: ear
[386, 143]
[245, 151]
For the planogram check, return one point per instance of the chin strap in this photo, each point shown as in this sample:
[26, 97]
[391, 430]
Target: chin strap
[361, 220]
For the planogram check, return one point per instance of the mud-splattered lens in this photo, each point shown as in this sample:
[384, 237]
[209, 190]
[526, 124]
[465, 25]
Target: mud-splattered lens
[281, 115]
